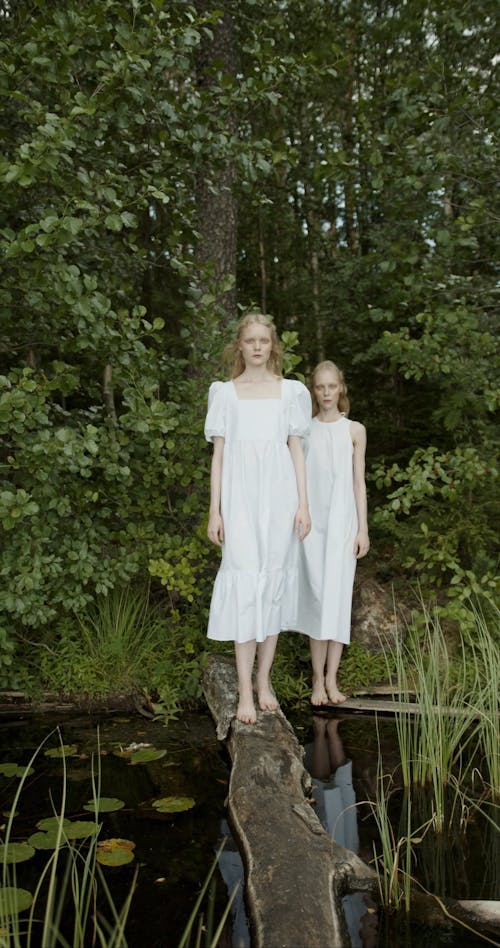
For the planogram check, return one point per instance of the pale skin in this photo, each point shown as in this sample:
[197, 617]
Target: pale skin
[256, 382]
[326, 654]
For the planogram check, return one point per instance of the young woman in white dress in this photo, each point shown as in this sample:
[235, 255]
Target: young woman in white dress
[335, 465]
[258, 504]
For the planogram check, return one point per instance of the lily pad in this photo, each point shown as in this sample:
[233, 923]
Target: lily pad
[8, 769]
[15, 852]
[105, 805]
[174, 804]
[80, 829]
[52, 823]
[146, 755]
[65, 750]
[46, 840]
[13, 901]
[115, 852]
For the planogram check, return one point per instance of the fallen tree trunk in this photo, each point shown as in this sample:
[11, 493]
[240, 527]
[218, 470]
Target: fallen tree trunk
[295, 874]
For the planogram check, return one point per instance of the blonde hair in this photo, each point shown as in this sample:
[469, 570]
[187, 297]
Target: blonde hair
[343, 403]
[232, 352]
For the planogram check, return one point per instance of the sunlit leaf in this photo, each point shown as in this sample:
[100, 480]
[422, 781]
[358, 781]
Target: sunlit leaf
[115, 852]
[105, 805]
[13, 901]
[66, 750]
[15, 852]
[174, 804]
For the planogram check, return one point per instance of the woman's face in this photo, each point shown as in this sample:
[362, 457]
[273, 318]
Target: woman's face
[327, 389]
[255, 344]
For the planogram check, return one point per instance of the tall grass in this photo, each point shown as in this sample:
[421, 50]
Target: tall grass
[485, 651]
[63, 891]
[434, 739]
[119, 636]
[393, 863]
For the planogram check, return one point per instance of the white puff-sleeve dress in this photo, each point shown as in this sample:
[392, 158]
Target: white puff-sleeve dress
[327, 562]
[255, 590]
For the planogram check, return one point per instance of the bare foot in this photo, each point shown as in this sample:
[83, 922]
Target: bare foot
[246, 712]
[319, 695]
[334, 695]
[267, 701]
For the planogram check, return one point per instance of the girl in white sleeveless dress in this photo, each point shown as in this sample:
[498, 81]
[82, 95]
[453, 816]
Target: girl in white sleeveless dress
[335, 465]
[258, 504]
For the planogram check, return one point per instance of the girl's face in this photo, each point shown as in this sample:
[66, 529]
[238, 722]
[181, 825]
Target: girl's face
[255, 344]
[327, 389]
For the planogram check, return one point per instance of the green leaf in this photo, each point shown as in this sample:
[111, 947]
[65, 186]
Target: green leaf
[15, 852]
[50, 823]
[174, 804]
[104, 805]
[13, 901]
[115, 852]
[146, 755]
[15, 770]
[66, 750]
[80, 829]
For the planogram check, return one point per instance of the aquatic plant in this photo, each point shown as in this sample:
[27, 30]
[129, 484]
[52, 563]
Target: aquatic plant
[433, 735]
[75, 884]
[393, 863]
[485, 652]
[206, 937]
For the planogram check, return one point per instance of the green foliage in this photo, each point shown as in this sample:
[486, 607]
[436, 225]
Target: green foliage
[439, 514]
[362, 156]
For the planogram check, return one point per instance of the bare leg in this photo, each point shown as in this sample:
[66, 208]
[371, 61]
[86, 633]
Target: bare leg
[265, 657]
[318, 660]
[320, 765]
[245, 656]
[335, 745]
[332, 666]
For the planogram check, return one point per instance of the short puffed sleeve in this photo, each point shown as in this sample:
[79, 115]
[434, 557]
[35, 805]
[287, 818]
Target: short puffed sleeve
[299, 421]
[215, 422]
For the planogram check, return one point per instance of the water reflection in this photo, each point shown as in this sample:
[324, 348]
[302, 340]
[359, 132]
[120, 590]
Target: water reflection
[233, 873]
[335, 801]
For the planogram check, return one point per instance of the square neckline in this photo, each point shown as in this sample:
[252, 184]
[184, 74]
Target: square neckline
[266, 399]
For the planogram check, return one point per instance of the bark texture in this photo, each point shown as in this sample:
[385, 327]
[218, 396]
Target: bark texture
[295, 873]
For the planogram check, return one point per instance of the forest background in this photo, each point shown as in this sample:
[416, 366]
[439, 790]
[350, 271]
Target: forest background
[165, 165]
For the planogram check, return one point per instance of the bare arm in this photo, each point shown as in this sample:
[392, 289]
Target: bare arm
[215, 529]
[362, 541]
[302, 523]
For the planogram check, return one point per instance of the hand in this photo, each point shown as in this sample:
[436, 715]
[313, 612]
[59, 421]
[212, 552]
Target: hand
[215, 529]
[361, 544]
[302, 523]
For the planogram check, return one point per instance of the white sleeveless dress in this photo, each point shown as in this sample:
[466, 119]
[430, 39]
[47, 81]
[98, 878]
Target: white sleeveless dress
[255, 591]
[327, 563]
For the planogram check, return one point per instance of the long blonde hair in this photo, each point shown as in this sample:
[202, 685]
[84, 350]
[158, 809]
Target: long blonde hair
[343, 403]
[232, 352]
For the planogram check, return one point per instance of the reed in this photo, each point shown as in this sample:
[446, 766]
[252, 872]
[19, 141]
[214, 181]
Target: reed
[434, 739]
[485, 652]
[393, 863]
[69, 891]
[205, 936]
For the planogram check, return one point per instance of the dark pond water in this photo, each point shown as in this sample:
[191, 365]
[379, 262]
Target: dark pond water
[174, 851]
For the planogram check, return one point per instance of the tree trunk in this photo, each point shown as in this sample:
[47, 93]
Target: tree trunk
[215, 200]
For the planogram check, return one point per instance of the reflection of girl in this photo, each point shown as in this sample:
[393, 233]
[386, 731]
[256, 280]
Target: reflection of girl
[336, 483]
[335, 800]
[258, 502]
